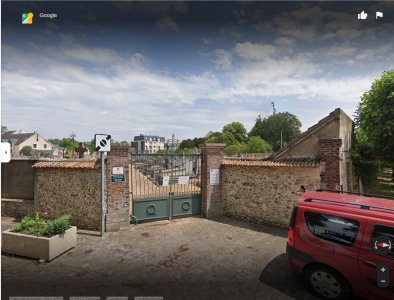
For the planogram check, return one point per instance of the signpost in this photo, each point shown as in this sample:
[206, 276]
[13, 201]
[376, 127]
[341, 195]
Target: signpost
[103, 144]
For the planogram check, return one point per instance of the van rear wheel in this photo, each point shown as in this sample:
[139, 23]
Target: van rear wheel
[327, 282]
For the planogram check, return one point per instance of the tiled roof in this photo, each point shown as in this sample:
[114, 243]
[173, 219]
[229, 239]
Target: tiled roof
[265, 163]
[16, 137]
[91, 164]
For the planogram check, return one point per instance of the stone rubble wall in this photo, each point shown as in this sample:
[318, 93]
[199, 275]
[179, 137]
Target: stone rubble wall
[265, 195]
[17, 208]
[72, 191]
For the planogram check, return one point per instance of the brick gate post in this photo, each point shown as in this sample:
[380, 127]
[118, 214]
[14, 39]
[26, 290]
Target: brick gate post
[118, 202]
[211, 188]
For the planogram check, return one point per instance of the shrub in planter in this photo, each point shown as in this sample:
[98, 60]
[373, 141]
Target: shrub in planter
[38, 238]
[38, 226]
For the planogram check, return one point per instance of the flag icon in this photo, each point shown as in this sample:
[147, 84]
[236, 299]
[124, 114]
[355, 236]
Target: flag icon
[27, 18]
[379, 14]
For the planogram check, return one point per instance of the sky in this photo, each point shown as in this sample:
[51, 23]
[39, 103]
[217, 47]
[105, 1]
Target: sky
[186, 68]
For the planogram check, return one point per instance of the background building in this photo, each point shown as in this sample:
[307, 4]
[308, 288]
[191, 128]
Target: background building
[148, 143]
[19, 139]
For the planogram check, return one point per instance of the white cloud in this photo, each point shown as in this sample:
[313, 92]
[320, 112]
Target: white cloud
[223, 58]
[254, 51]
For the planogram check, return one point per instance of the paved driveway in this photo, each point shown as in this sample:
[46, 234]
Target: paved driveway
[189, 258]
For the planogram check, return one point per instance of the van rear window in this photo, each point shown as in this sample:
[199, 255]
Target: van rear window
[332, 228]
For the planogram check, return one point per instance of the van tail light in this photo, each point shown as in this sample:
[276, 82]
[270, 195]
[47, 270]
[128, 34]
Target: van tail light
[291, 241]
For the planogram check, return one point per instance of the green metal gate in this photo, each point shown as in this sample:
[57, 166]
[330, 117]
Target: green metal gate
[165, 186]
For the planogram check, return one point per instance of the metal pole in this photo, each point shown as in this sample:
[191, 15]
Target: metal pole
[102, 192]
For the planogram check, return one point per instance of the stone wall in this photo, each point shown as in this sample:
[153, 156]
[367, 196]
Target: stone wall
[263, 194]
[72, 191]
[17, 208]
[17, 179]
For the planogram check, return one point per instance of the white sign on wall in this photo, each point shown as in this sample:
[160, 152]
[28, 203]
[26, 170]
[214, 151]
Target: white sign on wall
[117, 171]
[183, 179]
[214, 177]
[166, 180]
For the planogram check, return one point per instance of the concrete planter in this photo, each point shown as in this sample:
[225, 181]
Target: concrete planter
[37, 246]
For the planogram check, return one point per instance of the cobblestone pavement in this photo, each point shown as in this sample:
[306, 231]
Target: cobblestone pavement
[189, 258]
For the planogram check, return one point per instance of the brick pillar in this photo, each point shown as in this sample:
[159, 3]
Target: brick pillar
[118, 202]
[330, 155]
[212, 156]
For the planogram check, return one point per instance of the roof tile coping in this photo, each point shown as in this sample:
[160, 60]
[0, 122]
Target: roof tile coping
[63, 164]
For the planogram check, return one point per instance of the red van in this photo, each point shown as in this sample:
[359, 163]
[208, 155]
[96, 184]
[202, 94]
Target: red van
[343, 244]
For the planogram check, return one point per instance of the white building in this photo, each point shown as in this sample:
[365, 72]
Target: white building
[19, 139]
[148, 143]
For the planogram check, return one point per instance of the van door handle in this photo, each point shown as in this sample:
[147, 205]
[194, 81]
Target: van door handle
[370, 263]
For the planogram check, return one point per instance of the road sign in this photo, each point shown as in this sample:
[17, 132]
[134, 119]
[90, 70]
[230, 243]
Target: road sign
[103, 142]
[5, 152]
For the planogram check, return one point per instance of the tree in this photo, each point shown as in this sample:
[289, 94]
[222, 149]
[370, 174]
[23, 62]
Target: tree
[375, 116]
[257, 145]
[236, 130]
[270, 129]
[91, 145]
[186, 144]
[67, 143]
[235, 149]
[26, 151]
[215, 137]
[4, 129]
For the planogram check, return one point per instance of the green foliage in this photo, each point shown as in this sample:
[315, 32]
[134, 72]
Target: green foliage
[26, 151]
[215, 137]
[375, 116]
[17, 227]
[256, 144]
[67, 143]
[365, 162]
[91, 146]
[186, 144]
[58, 226]
[270, 129]
[235, 149]
[38, 226]
[34, 225]
[4, 129]
[235, 132]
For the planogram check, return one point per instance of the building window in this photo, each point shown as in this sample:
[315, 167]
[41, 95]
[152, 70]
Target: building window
[34, 146]
[45, 146]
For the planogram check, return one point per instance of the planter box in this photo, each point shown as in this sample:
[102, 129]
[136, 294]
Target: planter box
[36, 246]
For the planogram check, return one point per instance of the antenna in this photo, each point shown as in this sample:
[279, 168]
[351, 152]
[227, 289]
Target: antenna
[273, 107]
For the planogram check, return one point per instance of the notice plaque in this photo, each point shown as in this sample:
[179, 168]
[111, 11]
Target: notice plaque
[214, 177]
[117, 171]
[165, 181]
[183, 179]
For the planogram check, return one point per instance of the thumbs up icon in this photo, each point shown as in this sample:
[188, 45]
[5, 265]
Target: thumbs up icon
[362, 16]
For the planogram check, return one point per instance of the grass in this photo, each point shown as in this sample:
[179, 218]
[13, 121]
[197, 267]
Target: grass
[385, 183]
